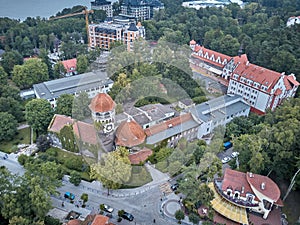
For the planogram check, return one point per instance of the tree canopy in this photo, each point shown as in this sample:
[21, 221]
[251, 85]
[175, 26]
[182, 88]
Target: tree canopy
[38, 113]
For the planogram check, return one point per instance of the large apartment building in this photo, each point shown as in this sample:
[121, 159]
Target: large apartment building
[104, 34]
[140, 9]
[103, 5]
[261, 88]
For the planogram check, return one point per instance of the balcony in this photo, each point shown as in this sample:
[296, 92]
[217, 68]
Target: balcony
[238, 202]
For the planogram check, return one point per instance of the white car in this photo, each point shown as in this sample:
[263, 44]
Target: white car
[107, 208]
[234, 154]
[226, 159]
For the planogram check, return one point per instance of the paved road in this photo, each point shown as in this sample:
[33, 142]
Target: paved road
[144, 202]
[11, 163]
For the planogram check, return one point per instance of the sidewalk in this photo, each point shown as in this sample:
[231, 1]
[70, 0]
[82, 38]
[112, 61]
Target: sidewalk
[96, 186]
[170, 205]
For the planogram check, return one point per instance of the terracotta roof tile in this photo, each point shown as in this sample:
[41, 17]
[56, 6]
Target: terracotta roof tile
[211, 56]
[140, 156]
[287, 84]
[70, 64]
[58, 122]
[74, 222]
[102, 102]
[100, 220]
[292, 79]
[236, 180]
[274, 218]
[271, 190]
[129, 134]
[169, 123]
[86, 132]
[278, 92]
[258, 74]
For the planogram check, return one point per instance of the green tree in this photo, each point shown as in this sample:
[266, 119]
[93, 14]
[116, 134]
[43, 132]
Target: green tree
[38, 113]
[8, 126]
[75, 178]
[19, 220]
[111, 171]
[64, 104]
[13, 107]
[3, 76]
[26, 47]
[10, 59]
[45, 59]
[43, 143]
[59, 70]
[67, 138]
[81, 106]
[31, 72]
[82, 64]
[179, 215]
[194, 218]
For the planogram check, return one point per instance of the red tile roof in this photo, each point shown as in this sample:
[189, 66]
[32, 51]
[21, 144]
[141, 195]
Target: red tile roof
[258, 74]
[169, 123]
[287, 84]
[218, 218]
[236, 180]
[85, 132]
[74, 222]
[278, 92]
[140, 156]
[271, 190]
[211, 56]
[58, 122]
[70, 64]
[129, 134]
[273, 218]
[102, 102]
[241, 59]
[292, 79]
[100, 220]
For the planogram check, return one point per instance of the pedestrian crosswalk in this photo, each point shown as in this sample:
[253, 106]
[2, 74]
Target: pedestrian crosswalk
[165, 188]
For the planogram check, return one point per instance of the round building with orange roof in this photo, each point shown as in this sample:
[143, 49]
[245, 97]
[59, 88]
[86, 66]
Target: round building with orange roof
[102, 107]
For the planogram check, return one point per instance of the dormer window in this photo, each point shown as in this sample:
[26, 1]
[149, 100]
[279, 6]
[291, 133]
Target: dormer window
[236, 194]
[249, 197]
[229, 191]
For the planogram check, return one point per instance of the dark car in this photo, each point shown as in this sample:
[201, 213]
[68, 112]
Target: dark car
[174, 187]
[127, 216]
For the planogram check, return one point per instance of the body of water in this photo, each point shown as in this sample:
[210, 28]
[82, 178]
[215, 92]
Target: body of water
[21, 9]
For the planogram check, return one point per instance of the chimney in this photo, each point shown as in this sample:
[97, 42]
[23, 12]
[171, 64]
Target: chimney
[263, 186]
[243, 189]
[250, 174]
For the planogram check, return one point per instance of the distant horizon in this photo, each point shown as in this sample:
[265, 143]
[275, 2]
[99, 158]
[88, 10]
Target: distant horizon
[21, 9]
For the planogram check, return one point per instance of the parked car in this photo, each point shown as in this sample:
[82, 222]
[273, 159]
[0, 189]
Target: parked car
[69, 195]
[234, 154]
[226, 159]
[127, 216]
[107, 208]
[174, 187]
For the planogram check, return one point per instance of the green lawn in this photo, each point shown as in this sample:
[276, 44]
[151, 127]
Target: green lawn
[22, 137]
[63, 156]
[139, 177]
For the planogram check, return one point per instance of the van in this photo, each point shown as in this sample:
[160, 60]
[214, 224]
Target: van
[227, 145]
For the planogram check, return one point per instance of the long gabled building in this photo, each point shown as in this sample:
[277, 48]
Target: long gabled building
[261, 88]
[91, 83]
